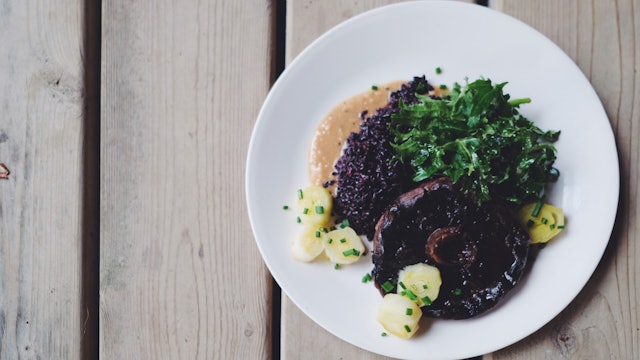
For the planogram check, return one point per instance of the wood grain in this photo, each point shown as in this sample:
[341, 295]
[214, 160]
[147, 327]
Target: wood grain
[41, 142]
[602, 38]
[180, 274]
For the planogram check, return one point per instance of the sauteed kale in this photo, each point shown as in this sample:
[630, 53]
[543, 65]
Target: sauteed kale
[476, 136]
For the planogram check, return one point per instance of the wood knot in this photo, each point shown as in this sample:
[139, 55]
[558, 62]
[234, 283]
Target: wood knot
[564, 339]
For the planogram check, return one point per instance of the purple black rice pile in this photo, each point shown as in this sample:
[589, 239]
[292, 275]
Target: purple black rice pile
[368, 178]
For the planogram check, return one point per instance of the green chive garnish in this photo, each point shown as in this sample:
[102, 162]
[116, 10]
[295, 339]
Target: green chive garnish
[536, 209]
[426, 300]
[298, 220]
[383, 334]
[300, 194]
[374, 87]
[409, 311]
[329, 241]
[438, 70]
[544, 221]
[318, 234]
[402, 285]
[387, 286]
[457, 291]
[336, 266]
[344, 223]
[425, 286]
[560, 226]
[443, 87]
[411, 295]
[286, 207]
[552, 226]
[407, 328]
[305, 211]
[530, 223]
[319, 209]
[366, 277]
[343, 240]
[350, 252]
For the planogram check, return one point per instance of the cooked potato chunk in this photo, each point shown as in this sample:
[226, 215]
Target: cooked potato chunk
[343, 246]
[543, 222]
[309, 244]
[314, 205]
[420, 283]
[399, 315]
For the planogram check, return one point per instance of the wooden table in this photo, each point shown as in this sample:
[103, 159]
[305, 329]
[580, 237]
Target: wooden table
[123, 224]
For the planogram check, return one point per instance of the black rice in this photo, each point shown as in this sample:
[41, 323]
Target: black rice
[368, 178]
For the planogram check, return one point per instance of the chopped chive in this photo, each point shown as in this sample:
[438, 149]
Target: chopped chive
[407, 328]
[536, 209]
[560, 226]
[298, 220]
[387, 286]
[300, 194]
[366, 278]
[305, 211]
[336, 266]
[350, 252]
[329, 241]
[457, 291]
[409, 311]
[343, 240]
[443, 87]
[285, 207]
[425, 286]
[383, 334]
[438, 70]
[319, 209]
[402, 285]
[332, 228]
[426, 300]
[544, 221]
[530, 223]
[318, 234]
[344, 223]
[552, 226]
[374, 87]
[411, 295]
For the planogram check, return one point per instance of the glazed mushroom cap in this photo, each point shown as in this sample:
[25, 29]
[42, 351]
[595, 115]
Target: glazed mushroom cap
[481, 252]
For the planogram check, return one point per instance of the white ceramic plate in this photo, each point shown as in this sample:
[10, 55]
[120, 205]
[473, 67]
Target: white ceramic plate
[398, 42]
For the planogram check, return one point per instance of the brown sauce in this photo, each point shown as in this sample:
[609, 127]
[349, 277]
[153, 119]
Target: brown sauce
[335, 127]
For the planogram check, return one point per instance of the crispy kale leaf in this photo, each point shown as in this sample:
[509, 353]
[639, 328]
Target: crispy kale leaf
[476, 136]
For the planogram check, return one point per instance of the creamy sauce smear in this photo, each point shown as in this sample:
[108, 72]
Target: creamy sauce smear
[337, 125]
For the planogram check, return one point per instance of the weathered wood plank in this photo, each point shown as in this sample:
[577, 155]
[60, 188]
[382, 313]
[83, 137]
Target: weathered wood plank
[306, 20]
[601, 37]
[180, 274]
[41, 142]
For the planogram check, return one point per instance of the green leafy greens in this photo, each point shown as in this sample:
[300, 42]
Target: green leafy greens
[476, 136]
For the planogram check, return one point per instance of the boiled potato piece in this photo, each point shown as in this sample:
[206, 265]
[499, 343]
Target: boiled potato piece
[420, 283]
[309, 244]
[314, 205]
[343, 246]
[542, 227]
[399, 315]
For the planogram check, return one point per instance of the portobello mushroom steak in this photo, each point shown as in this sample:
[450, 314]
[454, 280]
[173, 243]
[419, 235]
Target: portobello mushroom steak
[481, 251]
